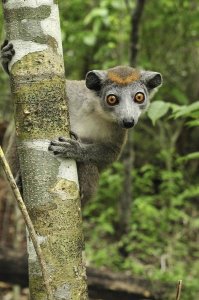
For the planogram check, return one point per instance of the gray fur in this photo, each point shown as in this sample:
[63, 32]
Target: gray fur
[99, 126]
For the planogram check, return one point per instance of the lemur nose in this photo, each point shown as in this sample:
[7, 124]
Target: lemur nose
[128, 123]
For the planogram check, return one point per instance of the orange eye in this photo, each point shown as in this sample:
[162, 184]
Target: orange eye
[112, 100]
[139, 97]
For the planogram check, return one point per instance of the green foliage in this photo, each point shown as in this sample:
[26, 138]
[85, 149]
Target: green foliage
[162, 239]
[157, 110]
[191, 111]
[94, 35]
[190, 156]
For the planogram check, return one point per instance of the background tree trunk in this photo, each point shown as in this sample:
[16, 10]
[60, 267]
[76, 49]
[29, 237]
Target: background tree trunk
[50, 185]
[128, 154]
[135, 24]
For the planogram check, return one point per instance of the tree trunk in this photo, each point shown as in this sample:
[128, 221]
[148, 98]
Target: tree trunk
[50, 185]
[128, 155]
[135, 24]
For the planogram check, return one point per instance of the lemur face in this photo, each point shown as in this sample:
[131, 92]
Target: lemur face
[123, 92]
[124, 104]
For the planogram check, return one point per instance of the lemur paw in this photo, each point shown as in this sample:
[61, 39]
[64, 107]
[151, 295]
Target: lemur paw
[66, 148]
[7, 53]
[74, 136]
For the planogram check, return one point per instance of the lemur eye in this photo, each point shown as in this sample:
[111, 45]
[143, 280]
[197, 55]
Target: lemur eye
[139, 97]
[112, 100]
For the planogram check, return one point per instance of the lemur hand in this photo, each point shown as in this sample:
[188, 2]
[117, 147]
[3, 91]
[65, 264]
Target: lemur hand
[66, 148]
[7, 53]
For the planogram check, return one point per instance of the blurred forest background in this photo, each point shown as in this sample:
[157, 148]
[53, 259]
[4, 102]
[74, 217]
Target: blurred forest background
[152, 229]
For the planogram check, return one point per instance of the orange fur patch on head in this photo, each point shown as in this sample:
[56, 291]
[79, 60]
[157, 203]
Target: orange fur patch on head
[123, 75]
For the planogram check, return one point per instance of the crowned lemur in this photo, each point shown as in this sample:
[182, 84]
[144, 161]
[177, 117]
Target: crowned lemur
[102, 108]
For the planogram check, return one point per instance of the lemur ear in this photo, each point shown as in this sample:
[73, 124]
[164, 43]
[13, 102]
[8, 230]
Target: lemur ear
[151, 79]
[94, 79]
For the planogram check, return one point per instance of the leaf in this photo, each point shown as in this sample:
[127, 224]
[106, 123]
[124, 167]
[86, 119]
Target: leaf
[193, 123]
[190, 156]
[186, 110]
[95, 13]
[157, 110]
[89, 39]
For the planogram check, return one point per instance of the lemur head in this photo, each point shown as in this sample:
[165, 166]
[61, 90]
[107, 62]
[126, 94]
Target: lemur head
[123, 92]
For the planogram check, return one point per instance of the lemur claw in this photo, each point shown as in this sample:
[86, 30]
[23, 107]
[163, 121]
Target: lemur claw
[4, 44]
[62, 139]
[74, 135]
[7, 52]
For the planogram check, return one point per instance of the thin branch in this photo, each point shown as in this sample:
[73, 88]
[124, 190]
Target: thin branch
[28, 222]
[176, 133]
[178, 291]
[128, 7]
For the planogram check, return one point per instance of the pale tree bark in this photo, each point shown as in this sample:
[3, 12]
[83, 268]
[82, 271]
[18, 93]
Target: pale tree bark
[50, 185]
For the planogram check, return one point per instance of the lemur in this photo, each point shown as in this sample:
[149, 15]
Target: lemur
[101, 108]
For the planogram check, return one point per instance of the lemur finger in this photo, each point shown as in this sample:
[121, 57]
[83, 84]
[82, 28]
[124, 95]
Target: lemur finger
[49, 148]
[62, 147]
[56, 153]
[64, 142]
[7, 47]
[58, 143]
[57, 150]
[62, 139]
[74, 136]
[7, 55]
[5, 66]
[52, 148]
[4, 44]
